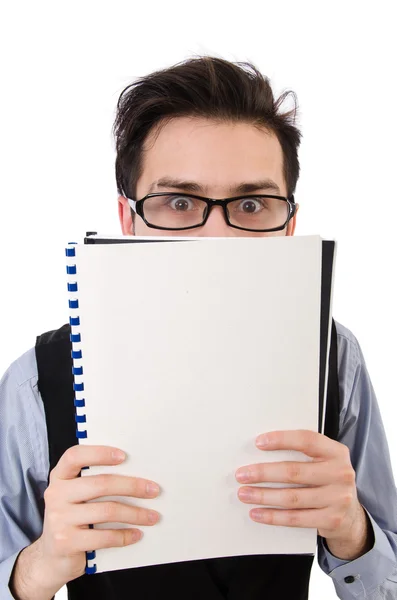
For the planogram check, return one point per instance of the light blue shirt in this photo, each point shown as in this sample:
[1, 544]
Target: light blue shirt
[24, 466]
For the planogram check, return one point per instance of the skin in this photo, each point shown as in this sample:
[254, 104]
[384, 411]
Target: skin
[218, 157]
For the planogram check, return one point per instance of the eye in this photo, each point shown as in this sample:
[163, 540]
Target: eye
[181, 203]
[252, 205]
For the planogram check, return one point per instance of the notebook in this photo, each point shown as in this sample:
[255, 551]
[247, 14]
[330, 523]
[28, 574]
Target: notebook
[184, 350]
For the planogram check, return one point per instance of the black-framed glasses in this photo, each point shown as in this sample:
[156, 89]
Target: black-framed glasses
[173, 211]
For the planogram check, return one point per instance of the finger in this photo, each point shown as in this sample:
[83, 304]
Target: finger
[86, 540]
[79, 456]
[111, 512]
[309, 442]
[91, 487]
[313, 518]
[293, 498]
[303, 473]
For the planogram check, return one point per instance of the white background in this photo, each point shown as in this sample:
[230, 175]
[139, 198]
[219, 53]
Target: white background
[63, 67]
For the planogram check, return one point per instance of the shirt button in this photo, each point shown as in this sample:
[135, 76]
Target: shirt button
[350, 579]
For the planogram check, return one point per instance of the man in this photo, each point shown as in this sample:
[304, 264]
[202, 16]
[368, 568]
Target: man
[204, 129]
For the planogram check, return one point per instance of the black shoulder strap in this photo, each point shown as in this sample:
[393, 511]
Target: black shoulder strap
[55, 383]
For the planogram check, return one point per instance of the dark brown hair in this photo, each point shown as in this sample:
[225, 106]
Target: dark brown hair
[207, 87]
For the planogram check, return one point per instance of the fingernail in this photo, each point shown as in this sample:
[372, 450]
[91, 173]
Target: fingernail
[152, 489]
[256, 514]
[245, 494]
[243, 476]
[262, 441]
[136, 535]
[153, 517]
[118, 455]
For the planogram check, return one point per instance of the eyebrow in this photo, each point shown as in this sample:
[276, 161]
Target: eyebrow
[192, 186]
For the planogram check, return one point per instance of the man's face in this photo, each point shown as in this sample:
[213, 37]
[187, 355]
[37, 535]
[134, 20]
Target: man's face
[218, 157]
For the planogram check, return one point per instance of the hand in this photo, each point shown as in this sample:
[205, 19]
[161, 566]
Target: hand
[58, 556]
[329, 503]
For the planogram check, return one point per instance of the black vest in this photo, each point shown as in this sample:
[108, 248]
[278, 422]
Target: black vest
[269, 577]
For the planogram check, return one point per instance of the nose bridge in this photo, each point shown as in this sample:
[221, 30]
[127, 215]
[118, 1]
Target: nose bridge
[216, 223]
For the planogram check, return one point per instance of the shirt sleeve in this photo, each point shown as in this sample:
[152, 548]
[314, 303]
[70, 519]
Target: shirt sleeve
[373, 576]
[24, 464]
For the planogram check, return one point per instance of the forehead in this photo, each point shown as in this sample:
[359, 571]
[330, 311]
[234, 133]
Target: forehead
[214, 154]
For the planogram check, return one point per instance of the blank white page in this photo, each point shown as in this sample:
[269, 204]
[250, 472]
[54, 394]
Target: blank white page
[190, 350]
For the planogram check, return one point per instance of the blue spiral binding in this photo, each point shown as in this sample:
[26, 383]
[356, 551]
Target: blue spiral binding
[78, 371]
